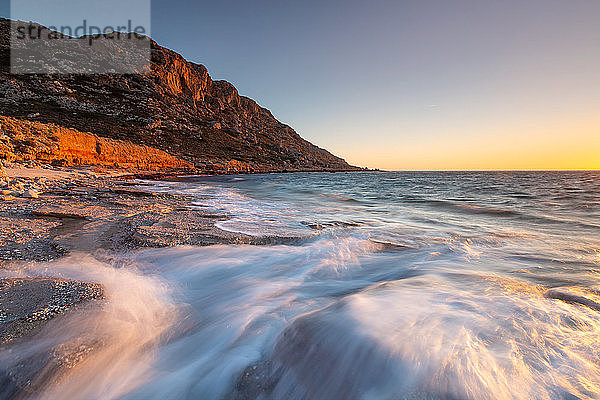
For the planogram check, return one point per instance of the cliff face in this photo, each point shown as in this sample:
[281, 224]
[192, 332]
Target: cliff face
[175, 107]
[25, 140]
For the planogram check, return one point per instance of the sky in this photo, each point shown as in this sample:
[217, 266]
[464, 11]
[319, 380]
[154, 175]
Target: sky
[410, 85]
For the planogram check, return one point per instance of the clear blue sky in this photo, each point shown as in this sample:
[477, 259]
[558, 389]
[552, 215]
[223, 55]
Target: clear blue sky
[423, 84]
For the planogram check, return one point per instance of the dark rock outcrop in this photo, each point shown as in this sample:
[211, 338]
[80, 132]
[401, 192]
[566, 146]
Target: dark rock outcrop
[175, 107]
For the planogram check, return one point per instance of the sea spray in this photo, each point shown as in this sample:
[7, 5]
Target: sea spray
[102, 350]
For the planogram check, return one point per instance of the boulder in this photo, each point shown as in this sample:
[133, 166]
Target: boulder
[31, 194]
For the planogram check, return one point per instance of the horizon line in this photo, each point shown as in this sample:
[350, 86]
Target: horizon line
[482, 170]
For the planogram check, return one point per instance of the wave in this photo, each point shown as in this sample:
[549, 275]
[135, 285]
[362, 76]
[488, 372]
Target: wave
[424, 339]
[462, 207]
[498, 212]
[336, 317]
[102, 351]
[339, 197]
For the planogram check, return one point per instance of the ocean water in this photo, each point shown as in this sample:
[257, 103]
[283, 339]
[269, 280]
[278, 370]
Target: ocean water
[457, 285]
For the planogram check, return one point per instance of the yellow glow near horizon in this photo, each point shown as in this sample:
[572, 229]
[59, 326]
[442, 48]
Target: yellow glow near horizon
[567, 147]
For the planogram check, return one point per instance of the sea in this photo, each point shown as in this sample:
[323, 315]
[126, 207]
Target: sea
[374, 285]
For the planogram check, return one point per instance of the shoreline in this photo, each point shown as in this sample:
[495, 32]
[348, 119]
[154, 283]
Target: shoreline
[49, 212]
[78, 209]
[158, 176]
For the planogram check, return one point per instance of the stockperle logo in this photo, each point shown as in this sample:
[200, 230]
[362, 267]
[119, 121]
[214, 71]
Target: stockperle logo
[80, 37]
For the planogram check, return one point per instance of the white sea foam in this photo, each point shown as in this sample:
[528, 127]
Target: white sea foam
[247, 215]
[185, 322]
[117, 339]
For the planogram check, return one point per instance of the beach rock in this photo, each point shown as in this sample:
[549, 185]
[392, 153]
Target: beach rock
[31, 194]
[581, 296]
[56, 212]
[16, 185]
[25, 303]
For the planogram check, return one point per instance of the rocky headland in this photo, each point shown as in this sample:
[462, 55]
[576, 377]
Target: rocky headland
[174, 106]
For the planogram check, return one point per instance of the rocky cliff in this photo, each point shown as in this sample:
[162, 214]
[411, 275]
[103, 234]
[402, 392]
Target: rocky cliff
[175, 107]
[26, 140]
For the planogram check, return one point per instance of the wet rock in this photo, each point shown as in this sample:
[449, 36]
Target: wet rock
[91, 213]
[580, 296]
[25, 303]
[31, 194]
[256, 381]
[134, 192]
[54, 212]
[8, 388]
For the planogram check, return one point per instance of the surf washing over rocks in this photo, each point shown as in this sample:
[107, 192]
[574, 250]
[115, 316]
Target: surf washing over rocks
[387, 286]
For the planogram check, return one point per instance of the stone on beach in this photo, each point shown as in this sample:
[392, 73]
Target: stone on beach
[58, 212]
[31, 194]
[16, 185]
[25, 303]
